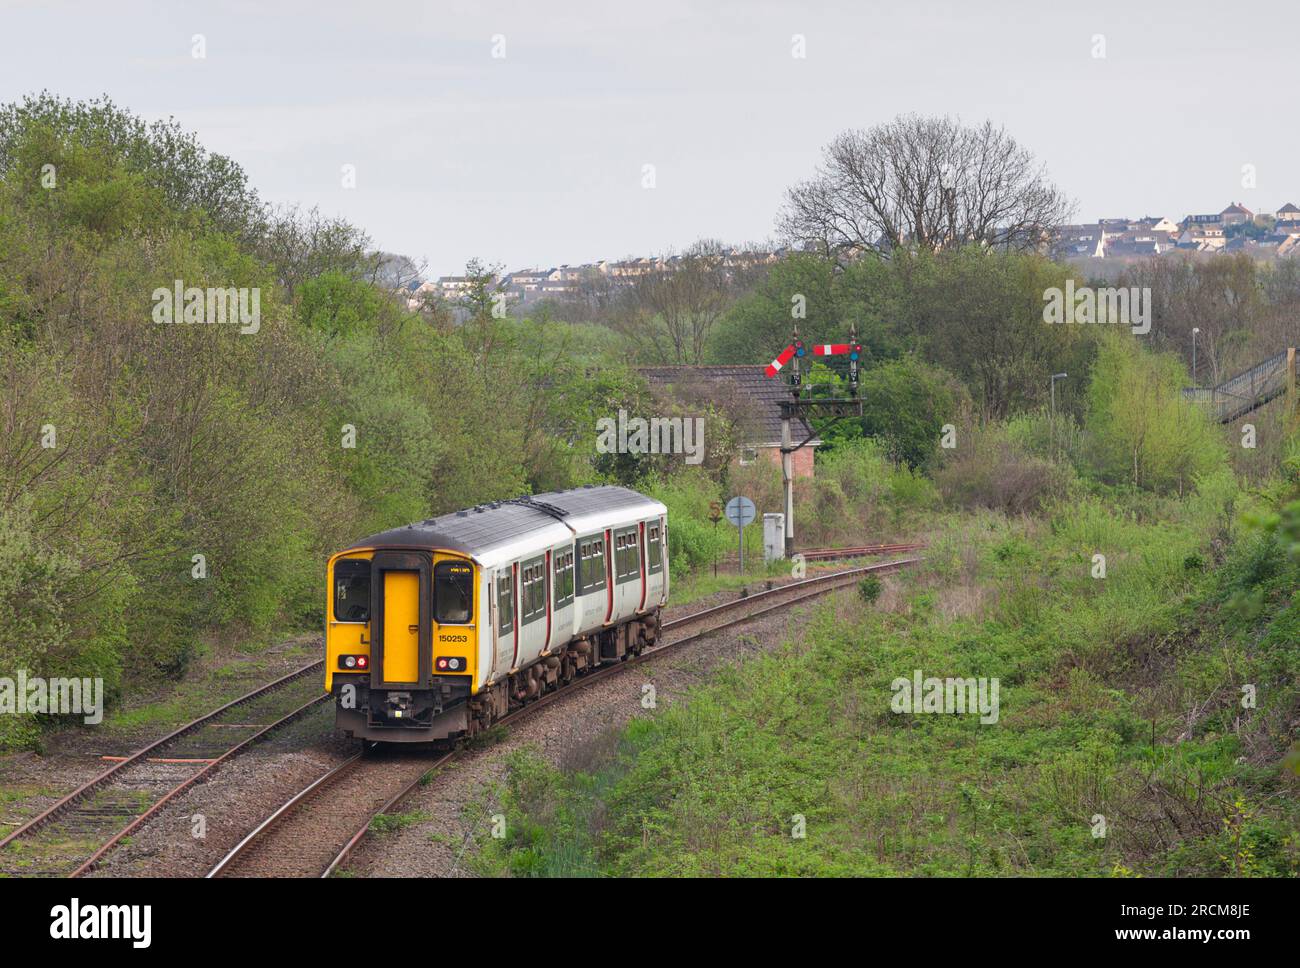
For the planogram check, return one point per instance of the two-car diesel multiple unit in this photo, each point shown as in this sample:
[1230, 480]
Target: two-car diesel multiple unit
[438, 629]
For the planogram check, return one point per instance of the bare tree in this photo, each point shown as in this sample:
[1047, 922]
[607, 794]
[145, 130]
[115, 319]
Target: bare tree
[395, 272]
[302, 245]
[925, 182]
[671, 311]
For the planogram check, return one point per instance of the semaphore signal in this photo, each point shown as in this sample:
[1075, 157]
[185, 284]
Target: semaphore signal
[795, 349]
[835, 406]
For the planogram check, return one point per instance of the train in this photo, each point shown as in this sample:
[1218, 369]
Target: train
[439, 629]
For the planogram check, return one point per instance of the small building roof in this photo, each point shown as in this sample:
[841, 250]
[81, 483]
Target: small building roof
[746, 393]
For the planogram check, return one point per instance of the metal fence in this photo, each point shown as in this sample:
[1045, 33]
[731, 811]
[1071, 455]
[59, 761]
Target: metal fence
[1239, 395]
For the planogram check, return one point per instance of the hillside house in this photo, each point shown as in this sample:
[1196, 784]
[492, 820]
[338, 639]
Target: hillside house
[752, 401]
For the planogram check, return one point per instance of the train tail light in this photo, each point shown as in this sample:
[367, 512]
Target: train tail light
[354, 662]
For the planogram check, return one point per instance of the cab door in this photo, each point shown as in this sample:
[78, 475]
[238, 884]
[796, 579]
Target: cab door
[401, 610]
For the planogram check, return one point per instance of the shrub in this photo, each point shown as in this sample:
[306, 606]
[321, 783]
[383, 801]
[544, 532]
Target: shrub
[1140, 429]
[869, 589]
[905, 404]
[991, 471]
[694, 541]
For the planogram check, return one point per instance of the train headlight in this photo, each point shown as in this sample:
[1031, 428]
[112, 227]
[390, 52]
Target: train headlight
[349, 662]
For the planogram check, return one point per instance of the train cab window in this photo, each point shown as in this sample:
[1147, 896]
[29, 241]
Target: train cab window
[505, 605]
[352, 590]
[453, 592]
[653, 549]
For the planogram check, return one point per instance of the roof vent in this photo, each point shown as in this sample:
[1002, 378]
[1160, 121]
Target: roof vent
[530, 502]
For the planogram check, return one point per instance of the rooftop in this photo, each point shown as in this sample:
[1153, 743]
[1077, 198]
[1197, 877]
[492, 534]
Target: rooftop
[750, 397]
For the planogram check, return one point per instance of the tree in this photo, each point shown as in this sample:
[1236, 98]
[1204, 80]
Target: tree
[339, 306]
[978, 314]
[905, 404]
[1142, 432]
[485, 285]
[191, 179]
[930, 183]
[798, 290]
[671, 311]
[1220, 296]
[396, 272]
[302, 245]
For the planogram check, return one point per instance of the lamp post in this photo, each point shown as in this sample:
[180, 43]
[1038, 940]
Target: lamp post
[1195, 330]
[1056, 447]
[1055, 377]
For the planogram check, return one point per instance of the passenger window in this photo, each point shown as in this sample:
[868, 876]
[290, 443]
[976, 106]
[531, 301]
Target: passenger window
[653, 551]
[591, 566]
[534, 593]
[563, 578]
[505, 605]
[453, 592]
[352, 590]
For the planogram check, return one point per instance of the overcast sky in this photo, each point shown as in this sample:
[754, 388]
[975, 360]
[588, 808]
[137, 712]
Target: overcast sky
[537, 158]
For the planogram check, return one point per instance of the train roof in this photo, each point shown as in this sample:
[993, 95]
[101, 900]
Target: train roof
[485, 527]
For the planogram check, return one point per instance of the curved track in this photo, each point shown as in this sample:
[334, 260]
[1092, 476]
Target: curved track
[88, 822]
[315, 831]
[833, 554]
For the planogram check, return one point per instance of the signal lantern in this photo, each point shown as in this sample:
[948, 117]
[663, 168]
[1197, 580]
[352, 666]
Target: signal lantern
[799, 349]
[855, 352]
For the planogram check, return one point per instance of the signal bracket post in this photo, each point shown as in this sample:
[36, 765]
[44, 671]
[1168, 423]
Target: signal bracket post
[836, 409]
[835, 406]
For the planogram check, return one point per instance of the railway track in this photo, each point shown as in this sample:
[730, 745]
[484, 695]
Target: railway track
[831, 554]
[314, 832]
[73, 834]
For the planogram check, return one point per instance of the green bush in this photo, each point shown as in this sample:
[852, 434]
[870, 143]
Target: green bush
[1141, 430]
[694, 541]
[988, 469]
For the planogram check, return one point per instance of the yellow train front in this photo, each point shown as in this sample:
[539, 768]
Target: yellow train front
[438, 629]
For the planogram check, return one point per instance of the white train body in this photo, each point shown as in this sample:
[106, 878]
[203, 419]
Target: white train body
[561, 583]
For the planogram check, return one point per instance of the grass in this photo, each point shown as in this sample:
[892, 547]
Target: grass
[703, 583]
[203, 691]
[387, 823]
[1119, 713]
